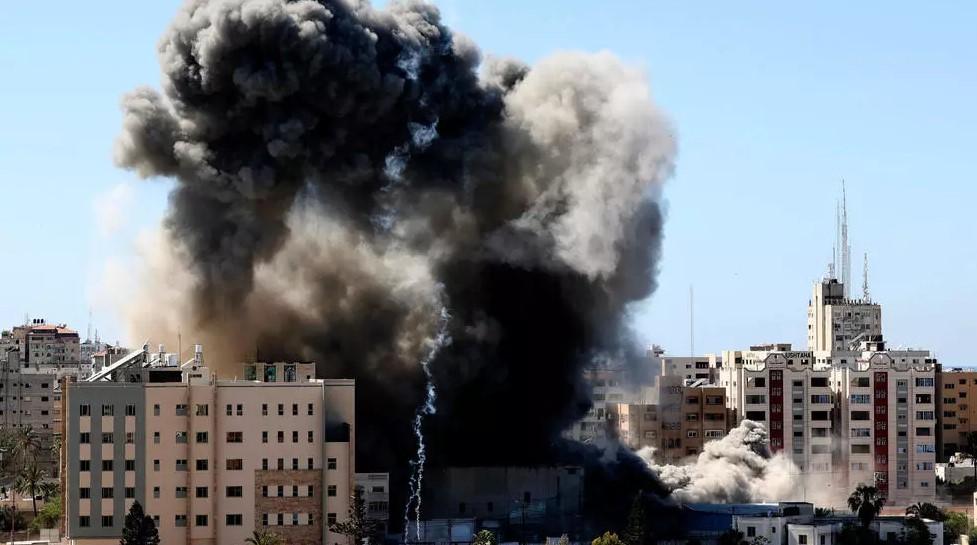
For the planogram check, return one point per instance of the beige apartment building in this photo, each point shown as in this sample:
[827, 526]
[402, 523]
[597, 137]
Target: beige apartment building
[956, 399]
[837, 323]
[210, 460]
[688, 415]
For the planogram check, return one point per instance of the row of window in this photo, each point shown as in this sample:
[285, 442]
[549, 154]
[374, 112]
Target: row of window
[200, 409]
[107, 492]
[107, 410]
[108, 438]
[237, 464]
[107, 465]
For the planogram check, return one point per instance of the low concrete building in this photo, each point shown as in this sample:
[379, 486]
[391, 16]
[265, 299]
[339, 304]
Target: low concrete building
[375, 488]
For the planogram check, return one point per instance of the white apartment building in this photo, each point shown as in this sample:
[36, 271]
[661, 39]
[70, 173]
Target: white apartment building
[865, 416]
[839, 324]
[210, 460]
[691, 368]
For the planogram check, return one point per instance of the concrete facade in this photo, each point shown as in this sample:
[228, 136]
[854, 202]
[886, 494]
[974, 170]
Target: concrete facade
[835, 322]
[210, 460]
[956, 400]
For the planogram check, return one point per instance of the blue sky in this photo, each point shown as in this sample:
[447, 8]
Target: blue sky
[773, 102]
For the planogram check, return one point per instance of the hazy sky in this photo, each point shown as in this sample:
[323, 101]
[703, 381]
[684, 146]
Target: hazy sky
[773, 102]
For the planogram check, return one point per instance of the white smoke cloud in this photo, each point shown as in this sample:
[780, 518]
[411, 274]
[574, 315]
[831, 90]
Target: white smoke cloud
[110, 209]
[735, 469]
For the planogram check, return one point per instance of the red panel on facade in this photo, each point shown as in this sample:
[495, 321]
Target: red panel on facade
[776, 411]
[881, 419]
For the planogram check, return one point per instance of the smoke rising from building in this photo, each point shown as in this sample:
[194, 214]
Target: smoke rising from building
[340, 168]
[740, 468]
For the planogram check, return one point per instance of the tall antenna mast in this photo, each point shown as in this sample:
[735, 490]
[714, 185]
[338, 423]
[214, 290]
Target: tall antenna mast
[865, 293]
[691, 322]
[88, 336]
[845, 248]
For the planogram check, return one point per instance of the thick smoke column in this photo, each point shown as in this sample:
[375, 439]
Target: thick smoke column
[336, 165]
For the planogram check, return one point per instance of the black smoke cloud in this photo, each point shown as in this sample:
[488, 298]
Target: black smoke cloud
[344, 172]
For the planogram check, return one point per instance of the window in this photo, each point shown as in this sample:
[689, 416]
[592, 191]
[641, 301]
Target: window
[108, 410]
[181, 465]
[330, 463]
[264, 491]
[180, 521]
[924, 432]
[235, 437]
[331, 491]
[130, 437]
[861, 432]
[281, 491]
[84, 493]
[924, 415]
[84, 521]
[181, 437]
[756, 382]
[84, 438]
[107, 521]
[234, 492]
[281, 437]
[108, 492]
[84, 465]
[295, 463]
[802, 539]
[106, 465]
[240, 409]
[235, 464]
[311, 409]
[756, 398]
[156, 492]
[201, 492]
[200, 520]
[751, 531]
[311, 489]
[130, 410]
[295, 491]
[85, 410]
[860, 398]
[758, 416]
[281, 409]
[181, 492]
[202, 437]
[156, 437]
[233, 520]
[311, 436]
[264, 437]
[819, 382]
[130, 492]
[820, 398]
[295, 437]
[295, 409]
[202, 464]
[107, 438]
[925, 448]
[155, 465]
[281, 519]
[156, 409]
[181, 410]
[860, 449]
[819, 415]
[924, 398]
[310, 464]
[924, 381]
[692, 433]
[130, 465]
[860, 415]
[330, 519]
[201, 409]
[264, 519]
[264, 409]
[230, 409]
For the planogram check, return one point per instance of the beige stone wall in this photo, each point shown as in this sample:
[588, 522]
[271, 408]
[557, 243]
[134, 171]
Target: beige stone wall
[306, 506]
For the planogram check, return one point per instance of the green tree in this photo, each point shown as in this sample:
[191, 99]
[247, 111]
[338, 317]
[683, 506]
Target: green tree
[609, 538]
[484, 537]
[925, 510]
[955, 525]
[357, 526]
[26, 445]
[916, 532]
[866, 503]
[731, 537]
[263, 537]
[49, 516]
[634, 532]
[139, 528]
[29, 482]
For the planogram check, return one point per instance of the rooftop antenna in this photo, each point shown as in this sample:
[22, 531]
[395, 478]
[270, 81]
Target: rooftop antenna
[865, 293]
[691, 322]
[88, 336]
[844, 247]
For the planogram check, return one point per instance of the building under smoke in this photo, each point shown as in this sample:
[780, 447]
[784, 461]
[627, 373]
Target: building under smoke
[346, 177]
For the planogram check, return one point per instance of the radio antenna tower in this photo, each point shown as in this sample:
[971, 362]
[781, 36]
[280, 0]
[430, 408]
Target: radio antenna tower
[843, 251]
[865, 293]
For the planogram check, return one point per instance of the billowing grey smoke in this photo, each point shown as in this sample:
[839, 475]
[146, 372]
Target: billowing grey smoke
[343, 171]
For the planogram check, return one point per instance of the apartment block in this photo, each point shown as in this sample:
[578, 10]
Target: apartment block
[375, 488]
[703, 368]
[609, 386]
[41, 343]
[837, 323]
[210, 460]
[955, 406]
[877, 404]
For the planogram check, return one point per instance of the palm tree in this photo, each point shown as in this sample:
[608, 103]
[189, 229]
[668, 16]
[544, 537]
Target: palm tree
[26, 444]
[29, 483]
[866, 503]
[925, 511]
[263, 537]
